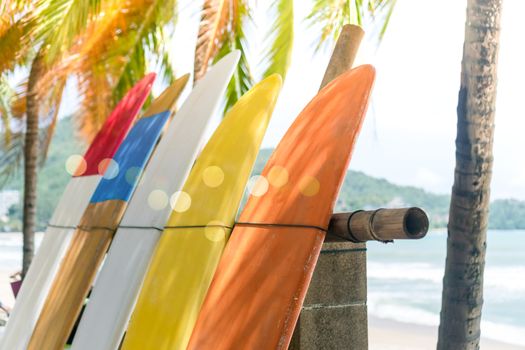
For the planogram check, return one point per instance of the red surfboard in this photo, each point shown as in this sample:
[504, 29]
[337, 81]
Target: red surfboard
[67, 214]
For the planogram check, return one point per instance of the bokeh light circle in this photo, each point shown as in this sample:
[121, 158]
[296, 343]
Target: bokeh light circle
[157, 200]
[108, 168]
[76, 165]
[278, 176]
[309, 186]
[215, 231]
[213, 176]
[180, 201]
[132, 174]
[258, 186]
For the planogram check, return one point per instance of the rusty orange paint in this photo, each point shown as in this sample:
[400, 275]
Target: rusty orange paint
[259, 287]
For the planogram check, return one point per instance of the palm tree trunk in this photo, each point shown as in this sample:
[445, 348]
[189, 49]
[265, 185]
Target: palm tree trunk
[31, 146]
[467, 228]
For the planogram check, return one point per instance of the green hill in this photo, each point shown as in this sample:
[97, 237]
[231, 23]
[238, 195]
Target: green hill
[52, 177]
[359, 190]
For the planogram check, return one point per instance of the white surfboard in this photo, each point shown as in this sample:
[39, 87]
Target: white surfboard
[112, 299]
[66, 217]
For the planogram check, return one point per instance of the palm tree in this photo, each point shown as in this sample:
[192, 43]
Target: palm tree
[105, 45]
[467, 228]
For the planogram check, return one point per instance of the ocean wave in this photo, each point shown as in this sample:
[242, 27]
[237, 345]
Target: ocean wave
[500, 278]
[405, 271]
[402, 313]
[409, 314]
[503, 332]
[507, 278]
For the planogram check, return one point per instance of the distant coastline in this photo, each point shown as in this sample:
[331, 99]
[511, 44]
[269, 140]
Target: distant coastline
[359, 191]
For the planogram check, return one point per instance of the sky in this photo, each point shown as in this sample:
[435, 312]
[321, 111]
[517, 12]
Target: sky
[409, 131]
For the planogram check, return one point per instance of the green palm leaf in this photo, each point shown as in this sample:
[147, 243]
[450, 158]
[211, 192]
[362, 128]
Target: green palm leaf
[332, 15]
[282, 34]
[136, 44]
[235, 39]
[61, 21]
[12, 147]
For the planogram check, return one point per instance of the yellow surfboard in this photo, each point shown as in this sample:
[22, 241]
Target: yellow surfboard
[196, 233]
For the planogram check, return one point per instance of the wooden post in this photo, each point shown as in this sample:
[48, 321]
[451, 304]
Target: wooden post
[334, 314]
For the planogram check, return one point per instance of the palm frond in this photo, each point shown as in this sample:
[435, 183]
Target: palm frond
[96, 91]
[388, 7]
[15, 39]
[62, 21]
[147, 36]
[51, 107]
[213, 24]
[12, 147]
[282, 35]
[167, 71]
[11, 156]
[6, 95]
[332, 15]
[328, 14]
[235, 39]
[18, 101]
[113, 55]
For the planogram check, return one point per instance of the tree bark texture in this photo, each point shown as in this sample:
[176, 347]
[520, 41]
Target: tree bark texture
[31, 146]
[467, 228]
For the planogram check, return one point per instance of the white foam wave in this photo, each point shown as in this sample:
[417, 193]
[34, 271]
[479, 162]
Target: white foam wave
[503, 332]
[409, 314]
[507, 278]
[402, 313]
[405, 271]
[501, 278]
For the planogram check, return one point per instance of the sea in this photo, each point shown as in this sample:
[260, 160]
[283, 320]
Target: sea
[405, 280]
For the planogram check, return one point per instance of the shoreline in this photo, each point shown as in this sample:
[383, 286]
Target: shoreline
[383, 334]
[387, 334]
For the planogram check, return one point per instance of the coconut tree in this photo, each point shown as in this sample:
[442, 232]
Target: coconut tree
[105, 45]
[467, 228]
[223, 23]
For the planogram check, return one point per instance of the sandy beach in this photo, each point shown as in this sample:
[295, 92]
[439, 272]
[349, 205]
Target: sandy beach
[386, 334]
[6, 295]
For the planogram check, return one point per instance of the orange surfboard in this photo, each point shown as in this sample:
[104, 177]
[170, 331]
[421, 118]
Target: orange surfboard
[259, 287]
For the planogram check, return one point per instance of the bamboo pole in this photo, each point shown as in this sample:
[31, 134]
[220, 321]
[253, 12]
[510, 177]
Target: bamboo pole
[382, 225]
[344, 53]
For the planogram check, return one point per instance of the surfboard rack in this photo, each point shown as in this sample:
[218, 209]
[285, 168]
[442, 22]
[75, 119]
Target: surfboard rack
[382, 225]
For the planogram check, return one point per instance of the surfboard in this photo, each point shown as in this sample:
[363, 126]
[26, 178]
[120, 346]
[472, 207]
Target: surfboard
[112, 298]
[196, 233]
[67, 215]
[97, 226]
[261, 281]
